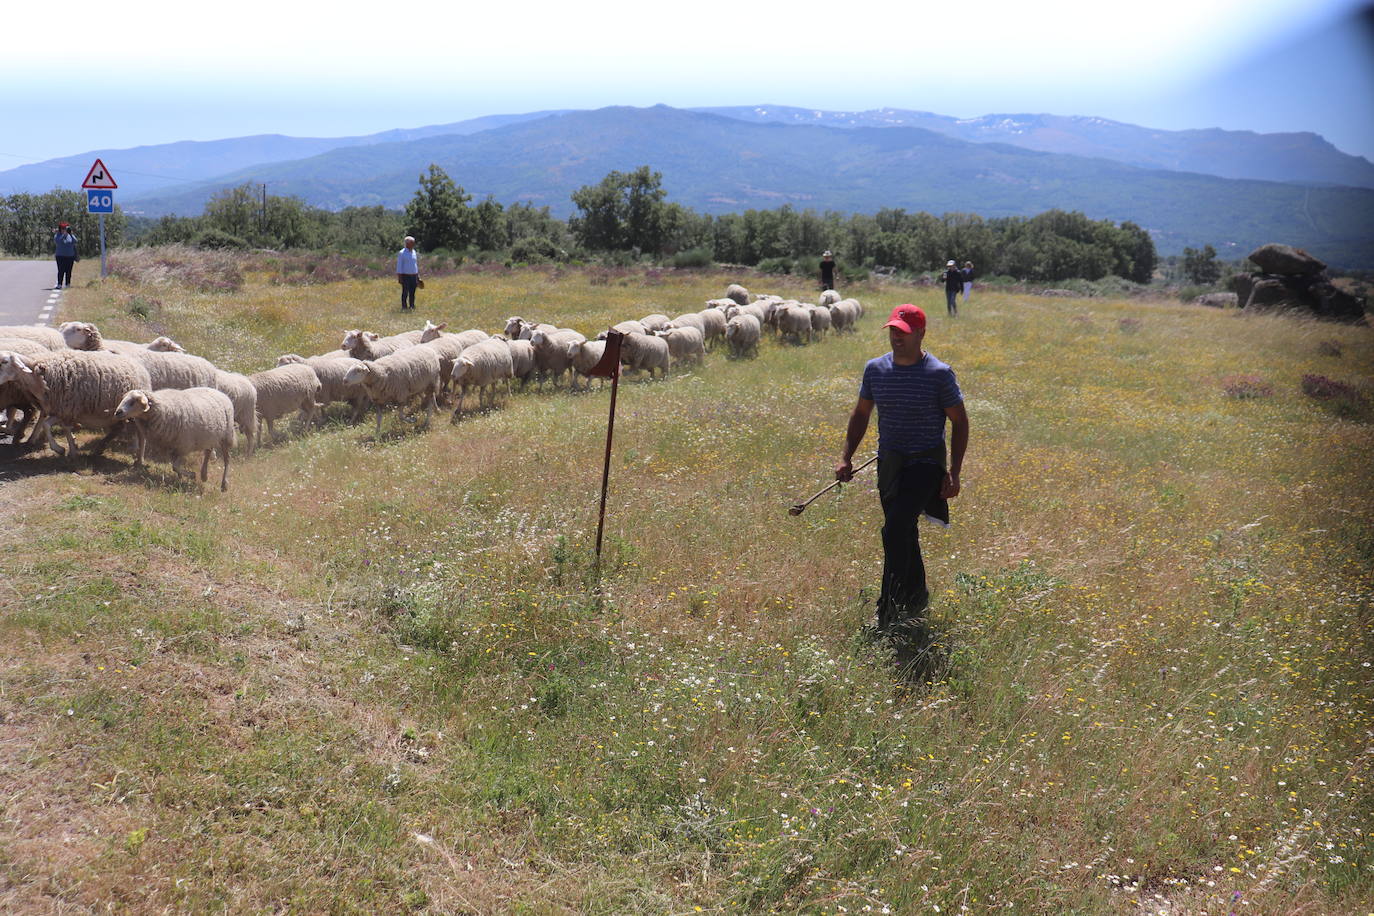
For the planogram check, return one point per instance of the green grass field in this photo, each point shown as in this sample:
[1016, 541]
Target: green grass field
[376, 677]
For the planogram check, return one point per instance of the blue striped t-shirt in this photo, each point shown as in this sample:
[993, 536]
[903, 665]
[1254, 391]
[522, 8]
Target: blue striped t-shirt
[911, 402]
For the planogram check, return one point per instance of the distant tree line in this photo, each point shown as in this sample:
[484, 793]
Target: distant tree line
[27, 222]
[623, 218]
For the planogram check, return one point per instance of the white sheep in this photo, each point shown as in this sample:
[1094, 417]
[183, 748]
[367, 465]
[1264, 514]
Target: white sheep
[180, 422]
[75, 388]
[518, 328]
[738, 293]
[793, 320]
[654, 322]
[712, 325]
[241, 393]
[82, 335]
[522, 360]
[742, 335]
[368, 345]
[844, 314]
[169, 369]
[820, 319]
[855, 305]
[720, 304]
[685, 344]
[584, 356]
[551, 352]
[686, 320]
[829, 297]
[398, 379]
[484, 366]
[448, 346]
[281, 390]
[630, 326]
[332, 371]
[640, 352]
[48, 337]
[15, 400]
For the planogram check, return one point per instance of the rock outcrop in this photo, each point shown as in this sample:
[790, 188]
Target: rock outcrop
[1218, 300]
[1290, 278]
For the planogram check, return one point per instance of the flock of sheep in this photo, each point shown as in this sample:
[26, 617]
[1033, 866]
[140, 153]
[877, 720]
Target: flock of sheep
[184, 404]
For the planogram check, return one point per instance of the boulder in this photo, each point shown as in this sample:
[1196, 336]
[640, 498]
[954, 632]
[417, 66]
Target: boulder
[1273, 293]
[1218, 300]
[1285, 259]
[1242, 284]
[1337, 304]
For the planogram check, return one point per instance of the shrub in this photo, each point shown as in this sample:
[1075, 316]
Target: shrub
[1129, 325]
[1330, 348]
[219, 240]
[854, 274]
[140, 308]
[1342, 399]
[1327, 389]
[775, 266]
[1245, 387]
[533, 250]
[695, 257]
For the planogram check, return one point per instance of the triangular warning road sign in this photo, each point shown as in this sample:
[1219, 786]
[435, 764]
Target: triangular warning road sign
[99, 177]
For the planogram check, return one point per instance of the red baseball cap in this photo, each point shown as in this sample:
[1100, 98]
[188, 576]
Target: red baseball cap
[62, 225]
[907, 319]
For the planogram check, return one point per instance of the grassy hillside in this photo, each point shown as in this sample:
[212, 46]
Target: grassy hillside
[374, 676]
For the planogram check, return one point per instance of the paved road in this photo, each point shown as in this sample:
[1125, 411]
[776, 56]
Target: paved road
[26, 293]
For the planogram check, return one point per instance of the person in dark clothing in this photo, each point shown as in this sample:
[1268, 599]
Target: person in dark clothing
[64, 244]
[953, 278]
[827, 271]
[968, 280]
[915, 394]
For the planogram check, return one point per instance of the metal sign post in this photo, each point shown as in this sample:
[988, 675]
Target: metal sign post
[608, 367]
[98, 184]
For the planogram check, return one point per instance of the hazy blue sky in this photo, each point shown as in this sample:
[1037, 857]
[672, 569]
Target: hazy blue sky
[143, 72]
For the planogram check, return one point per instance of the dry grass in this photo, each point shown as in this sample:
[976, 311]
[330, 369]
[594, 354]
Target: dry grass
[372, 677]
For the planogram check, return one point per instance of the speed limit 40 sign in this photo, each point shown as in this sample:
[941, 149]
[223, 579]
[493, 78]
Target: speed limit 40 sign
[99, 201]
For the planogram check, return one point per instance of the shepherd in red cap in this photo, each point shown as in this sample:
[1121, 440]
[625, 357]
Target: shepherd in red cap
[915, 394]
[64, 245]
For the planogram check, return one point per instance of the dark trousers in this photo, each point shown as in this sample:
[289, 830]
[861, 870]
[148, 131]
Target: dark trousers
[408, 282]
[952, 300]
[64, 270]
[905, 490]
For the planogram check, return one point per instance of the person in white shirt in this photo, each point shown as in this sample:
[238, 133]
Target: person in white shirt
[408, 273]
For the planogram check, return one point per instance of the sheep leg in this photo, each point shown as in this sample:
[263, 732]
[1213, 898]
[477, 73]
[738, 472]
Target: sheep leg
[224, 453]
[178, 468]
[45, 426]
[431, 405]
[379, 421]
[462, 392]
[142, 445]
[205, 465]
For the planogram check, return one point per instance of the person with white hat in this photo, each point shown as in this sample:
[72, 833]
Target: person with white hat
[827, 271]
[953, 278]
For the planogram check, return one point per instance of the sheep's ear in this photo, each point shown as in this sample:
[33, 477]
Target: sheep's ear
[440, 327]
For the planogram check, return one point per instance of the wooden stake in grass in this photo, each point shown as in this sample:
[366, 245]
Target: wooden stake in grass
[608, 367]
[799, 508]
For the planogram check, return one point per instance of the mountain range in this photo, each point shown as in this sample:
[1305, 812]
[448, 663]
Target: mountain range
[731, 159]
